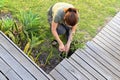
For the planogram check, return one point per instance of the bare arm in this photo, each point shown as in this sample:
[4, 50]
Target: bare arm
[72, 32]
[55, 34]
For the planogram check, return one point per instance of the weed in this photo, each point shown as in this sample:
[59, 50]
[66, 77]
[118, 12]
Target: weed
[49, 57]
[7, 24]
[29, 20]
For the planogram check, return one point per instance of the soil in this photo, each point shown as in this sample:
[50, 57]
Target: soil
[52, 64]
[5, 15]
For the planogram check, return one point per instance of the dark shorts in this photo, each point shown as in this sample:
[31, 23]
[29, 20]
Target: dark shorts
[61, 29]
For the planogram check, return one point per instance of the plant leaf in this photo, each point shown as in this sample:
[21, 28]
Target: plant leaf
[27, 47]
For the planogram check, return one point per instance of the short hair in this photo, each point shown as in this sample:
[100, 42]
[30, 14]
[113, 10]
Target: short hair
[71, 16]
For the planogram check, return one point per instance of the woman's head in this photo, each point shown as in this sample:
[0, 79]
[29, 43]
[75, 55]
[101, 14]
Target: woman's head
[71, 16]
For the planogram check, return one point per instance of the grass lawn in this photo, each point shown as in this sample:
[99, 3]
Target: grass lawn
[94, 14]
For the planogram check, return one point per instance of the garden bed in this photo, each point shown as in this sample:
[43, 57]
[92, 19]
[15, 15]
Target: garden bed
[47, 66]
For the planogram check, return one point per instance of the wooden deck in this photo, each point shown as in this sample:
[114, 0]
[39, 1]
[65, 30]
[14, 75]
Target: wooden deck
[99, 60]
[15, 65]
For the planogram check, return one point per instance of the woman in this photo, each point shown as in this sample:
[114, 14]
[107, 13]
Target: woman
[63, 19]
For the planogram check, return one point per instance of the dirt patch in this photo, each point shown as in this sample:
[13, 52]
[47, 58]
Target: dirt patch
[5, 15]
[52, 64]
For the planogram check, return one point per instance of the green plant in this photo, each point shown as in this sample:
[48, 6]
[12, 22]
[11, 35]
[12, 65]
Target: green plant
[50, 55]
[30, 25]
[6, 24]
[32, 43]
[37, 57]
[0, 24]
[29, 20]
[1, 4]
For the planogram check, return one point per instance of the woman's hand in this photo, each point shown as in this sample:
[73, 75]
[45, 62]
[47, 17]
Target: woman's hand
[61, 48]
[67, 47]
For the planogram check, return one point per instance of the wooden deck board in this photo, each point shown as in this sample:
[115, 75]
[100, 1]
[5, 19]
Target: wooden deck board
[113, 30]
[65, 72]
[15, 65]
[108, 40]
[109, 49]
[109, 36]
[3, 66]
[102, 63]
[92, 63]
[2, 76]
[74, 71]
[115, 25]
[81, 69]
[116, 20]
[29, 67]
[102, 60]
[56, 75]
[86, 66]
[11, 75]
[105, 55]
[112, 34]
[109, 43]
[7, 71]
[104, 45]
